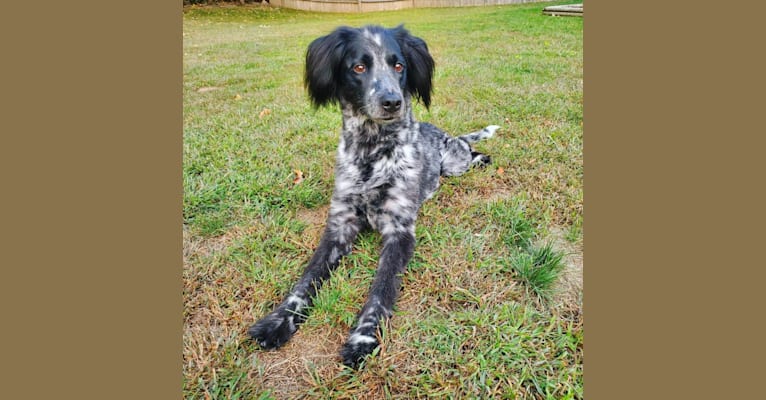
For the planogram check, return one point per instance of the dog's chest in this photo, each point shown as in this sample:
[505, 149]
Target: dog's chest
[365, 171]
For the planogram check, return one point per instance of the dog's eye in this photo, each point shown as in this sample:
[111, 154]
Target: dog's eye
[398, 67]
[360, 68]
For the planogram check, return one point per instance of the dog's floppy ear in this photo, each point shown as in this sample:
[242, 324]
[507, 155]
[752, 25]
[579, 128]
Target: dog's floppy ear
[323, 60]
[420, 64]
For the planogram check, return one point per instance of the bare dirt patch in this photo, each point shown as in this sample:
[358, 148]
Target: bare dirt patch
[569, 289]
[315, 220]
[287, 371]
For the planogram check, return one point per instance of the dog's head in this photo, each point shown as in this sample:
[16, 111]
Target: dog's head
[374, 70]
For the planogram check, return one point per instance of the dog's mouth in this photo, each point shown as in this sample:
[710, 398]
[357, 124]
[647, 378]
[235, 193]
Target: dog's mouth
[386, 121]
[387, 118]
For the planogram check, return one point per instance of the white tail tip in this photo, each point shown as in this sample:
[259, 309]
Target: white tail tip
[491, 130]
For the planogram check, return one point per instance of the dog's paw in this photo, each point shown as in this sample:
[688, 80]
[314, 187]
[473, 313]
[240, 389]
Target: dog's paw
[273, 330]
[357, 348]
[480, 159]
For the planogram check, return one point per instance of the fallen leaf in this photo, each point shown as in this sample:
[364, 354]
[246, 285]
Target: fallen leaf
[237, 97]
[264, 113]
[500, 170]
[298, 176]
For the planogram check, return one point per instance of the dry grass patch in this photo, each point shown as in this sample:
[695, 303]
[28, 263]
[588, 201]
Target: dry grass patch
[569, 289]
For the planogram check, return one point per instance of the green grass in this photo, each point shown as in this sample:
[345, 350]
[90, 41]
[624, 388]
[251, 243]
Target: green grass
[538, 269]
[469, 323]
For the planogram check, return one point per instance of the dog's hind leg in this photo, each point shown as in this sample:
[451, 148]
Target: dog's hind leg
[398, 248]
[276, 328]
[480, 159]
[458, 156]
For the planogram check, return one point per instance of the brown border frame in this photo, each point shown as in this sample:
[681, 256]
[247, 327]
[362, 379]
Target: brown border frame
[91, 212]
[673, 200]
[92, 196]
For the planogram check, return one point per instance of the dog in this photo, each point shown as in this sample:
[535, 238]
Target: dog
[387, 165]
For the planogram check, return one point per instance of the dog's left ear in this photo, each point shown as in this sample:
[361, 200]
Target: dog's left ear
[420, 64]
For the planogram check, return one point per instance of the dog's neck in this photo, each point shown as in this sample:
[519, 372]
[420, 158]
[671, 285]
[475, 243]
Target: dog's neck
[361, 131]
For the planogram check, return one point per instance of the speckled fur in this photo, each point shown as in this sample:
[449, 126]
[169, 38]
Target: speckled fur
[387, 164]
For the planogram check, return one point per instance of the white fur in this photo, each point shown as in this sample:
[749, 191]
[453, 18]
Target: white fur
[360, 338]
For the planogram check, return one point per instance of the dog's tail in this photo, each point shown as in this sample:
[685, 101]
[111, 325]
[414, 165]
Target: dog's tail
[485, 133]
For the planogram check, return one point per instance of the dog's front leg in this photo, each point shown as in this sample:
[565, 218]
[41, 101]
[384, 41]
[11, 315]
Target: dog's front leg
[398, 248]
[275, 329]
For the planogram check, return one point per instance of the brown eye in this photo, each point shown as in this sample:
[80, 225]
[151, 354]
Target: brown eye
[360, 68]
[398, 67]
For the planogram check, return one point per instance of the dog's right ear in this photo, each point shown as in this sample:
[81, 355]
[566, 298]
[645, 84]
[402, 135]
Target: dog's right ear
[323, 64]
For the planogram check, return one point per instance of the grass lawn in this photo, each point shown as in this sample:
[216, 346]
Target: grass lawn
[491, 306]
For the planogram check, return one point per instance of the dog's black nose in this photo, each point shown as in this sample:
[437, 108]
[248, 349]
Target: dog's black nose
[391, 102]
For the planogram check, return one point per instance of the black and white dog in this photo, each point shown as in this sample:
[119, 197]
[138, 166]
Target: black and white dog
[387, 164]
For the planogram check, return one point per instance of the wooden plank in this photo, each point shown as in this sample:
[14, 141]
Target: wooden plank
[574, 10]
[566, 7]
[562, 14]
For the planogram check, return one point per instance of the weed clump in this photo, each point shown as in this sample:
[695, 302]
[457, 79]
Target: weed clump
[538, 269]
